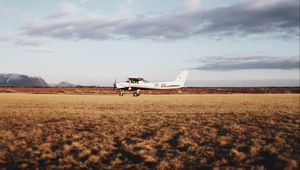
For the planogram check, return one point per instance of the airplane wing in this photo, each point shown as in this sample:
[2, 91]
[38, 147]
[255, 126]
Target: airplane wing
[136, 78]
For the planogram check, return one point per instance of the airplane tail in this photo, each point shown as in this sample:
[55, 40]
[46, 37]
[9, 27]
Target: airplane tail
[182, 77]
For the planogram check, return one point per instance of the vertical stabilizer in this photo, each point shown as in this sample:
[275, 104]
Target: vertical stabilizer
[182, 77]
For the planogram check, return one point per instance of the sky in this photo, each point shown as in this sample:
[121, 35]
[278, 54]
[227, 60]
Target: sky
[94, 42]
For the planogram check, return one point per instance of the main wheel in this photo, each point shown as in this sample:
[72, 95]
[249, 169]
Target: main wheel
[135, 94]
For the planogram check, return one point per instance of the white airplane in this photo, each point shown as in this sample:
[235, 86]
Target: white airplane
[138, 83]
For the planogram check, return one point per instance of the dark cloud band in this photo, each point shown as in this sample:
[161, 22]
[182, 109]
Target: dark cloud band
[277, 19]
[228, 63]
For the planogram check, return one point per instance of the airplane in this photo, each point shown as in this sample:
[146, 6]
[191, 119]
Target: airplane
[138, 83]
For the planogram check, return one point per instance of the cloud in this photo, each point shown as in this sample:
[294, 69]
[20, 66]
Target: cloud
[4, 36]
[255, 17]
[30, 42]
[126, 8]
[39, 50]
[247, 62]
[66, 9]
[276, 19]
[21, 40]
[191, 5]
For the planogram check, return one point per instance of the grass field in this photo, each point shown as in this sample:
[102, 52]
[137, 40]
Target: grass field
[184, 90]
[150, 131]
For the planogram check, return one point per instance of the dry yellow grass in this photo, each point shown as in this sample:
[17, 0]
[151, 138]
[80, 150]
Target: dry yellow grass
[150, 131]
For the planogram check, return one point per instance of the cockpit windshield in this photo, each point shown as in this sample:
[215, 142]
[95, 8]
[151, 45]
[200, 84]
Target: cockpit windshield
[133, 81]
[136, 80]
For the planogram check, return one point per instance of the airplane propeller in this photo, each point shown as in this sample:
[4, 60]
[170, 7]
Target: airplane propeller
[115, 84]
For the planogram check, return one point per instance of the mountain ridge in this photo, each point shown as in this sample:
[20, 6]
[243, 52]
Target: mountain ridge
[12, 79]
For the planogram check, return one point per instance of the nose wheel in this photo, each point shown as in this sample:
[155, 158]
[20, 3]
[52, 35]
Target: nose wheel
[121, 92]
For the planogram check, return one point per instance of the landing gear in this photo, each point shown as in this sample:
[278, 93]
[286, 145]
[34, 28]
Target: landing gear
[136, 93]
[121, 92]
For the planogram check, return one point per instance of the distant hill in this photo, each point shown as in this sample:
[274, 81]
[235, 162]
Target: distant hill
[21, 80]
[64, 84]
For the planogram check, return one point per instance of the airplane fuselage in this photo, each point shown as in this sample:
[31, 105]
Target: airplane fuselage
[143, 86]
